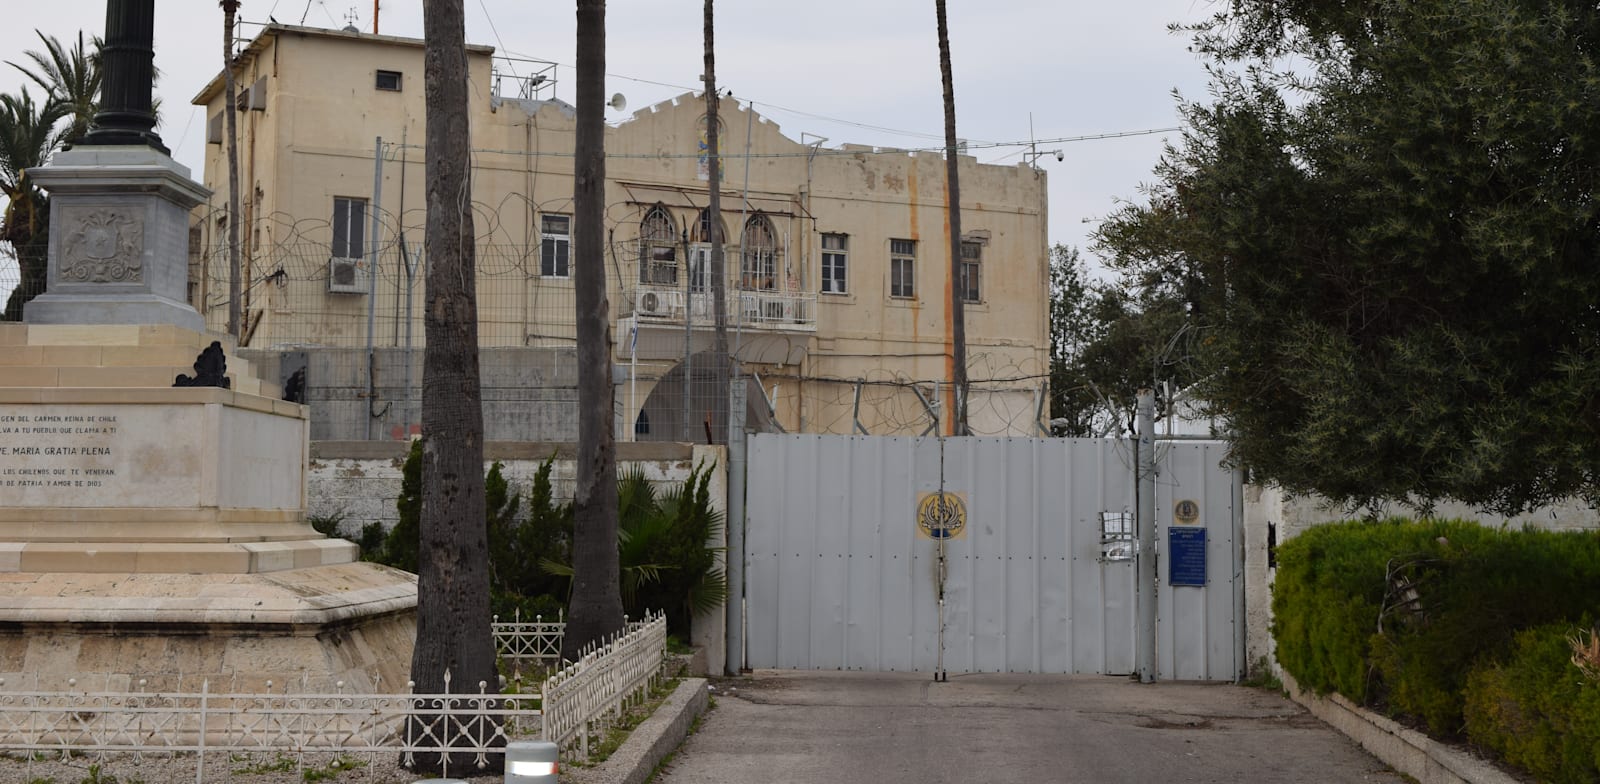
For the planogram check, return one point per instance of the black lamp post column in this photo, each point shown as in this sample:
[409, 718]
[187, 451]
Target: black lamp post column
[128, 63]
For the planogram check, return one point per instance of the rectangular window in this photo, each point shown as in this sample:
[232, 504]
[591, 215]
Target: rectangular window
[658, 263]
[971, 255]
[349, 228]
[389, 80]
[902, 268]
[700, 267]
[835, 253]
[555, 248]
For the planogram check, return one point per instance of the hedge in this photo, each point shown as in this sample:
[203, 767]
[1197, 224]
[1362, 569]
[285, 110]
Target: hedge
[1341, 624]
[1537, 710]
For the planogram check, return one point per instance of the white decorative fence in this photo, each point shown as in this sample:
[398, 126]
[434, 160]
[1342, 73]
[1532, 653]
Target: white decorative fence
[601, 684]
[577, 700]
[519, 642]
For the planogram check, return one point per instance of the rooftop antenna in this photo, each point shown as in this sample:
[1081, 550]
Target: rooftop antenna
[374, 17]
[350, 19]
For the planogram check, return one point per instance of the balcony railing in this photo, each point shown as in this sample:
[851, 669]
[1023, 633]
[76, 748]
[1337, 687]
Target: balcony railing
[791, 310]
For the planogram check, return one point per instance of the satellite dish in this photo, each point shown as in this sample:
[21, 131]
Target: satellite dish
[618, 102]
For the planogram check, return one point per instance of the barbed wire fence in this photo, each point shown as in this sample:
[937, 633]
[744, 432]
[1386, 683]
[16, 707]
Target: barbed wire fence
[340, 301]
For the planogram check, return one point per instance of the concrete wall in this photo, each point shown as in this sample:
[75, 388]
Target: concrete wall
[529, 394]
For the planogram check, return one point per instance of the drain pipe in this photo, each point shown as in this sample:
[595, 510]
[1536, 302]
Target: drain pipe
[1146, 523]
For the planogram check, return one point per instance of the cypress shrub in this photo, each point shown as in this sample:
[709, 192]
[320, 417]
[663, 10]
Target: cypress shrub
[1460, 593]
[1537, 710]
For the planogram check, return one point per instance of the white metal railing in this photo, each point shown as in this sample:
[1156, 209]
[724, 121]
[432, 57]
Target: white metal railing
[300, 720]
[749, 307]
[291, 722]
[602, 682]
[519, 642]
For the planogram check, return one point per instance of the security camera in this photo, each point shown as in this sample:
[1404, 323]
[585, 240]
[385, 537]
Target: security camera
[1060, 157]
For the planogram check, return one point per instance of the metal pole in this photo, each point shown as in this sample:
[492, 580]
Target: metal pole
[688, 346]
[736, 467]
[411, 278]
[372, 278]
[1239, 624]
[1146, 523]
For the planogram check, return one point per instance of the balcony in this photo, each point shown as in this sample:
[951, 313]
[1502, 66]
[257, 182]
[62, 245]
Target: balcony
[761, 309]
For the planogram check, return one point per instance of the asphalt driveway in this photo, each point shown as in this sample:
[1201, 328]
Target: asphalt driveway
[902, 728]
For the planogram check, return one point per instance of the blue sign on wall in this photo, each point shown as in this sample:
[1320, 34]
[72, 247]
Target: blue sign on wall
[1186, 556]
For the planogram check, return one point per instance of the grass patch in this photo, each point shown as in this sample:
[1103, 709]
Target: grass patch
[601, 748]
[279, 764]
[332, 770]
[1261, 676]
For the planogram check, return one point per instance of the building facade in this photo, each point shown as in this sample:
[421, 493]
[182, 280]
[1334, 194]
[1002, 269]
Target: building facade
[837, 262]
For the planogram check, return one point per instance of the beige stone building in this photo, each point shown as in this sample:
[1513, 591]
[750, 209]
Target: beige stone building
[838, 269]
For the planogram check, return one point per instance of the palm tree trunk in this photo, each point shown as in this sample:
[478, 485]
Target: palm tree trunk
[958, 319]
[230, 8]
[453, 621]
[596, 608]
[719, 278]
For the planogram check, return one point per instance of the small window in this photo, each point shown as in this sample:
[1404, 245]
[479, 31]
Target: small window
[835, 259]
[971, 255]
[555, 250]
[349, 228]
[902, 268]
[389, 80]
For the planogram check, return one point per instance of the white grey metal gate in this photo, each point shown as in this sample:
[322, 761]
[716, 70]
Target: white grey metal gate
[840, 576]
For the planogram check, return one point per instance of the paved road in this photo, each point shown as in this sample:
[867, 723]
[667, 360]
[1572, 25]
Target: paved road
[781, 727]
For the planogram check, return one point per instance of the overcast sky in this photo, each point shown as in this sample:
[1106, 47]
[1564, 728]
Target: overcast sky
[857, 71]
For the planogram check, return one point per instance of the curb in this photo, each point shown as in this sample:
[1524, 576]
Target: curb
[1404, 749]
[655, 738]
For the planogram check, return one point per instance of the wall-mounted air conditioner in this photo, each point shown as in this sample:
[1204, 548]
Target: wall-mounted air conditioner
[659, 304]
[348, 276]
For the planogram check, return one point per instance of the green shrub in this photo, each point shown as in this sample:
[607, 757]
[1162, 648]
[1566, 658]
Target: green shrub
[663, 548]
[1341, 625]
[401, 545]
[667, 563]
[1537, 710]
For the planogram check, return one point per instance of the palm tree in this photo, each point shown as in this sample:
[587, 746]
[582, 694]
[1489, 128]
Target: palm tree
[28, 137]
[70, 78]
[958, 288]
[453, 620]
[596, 610]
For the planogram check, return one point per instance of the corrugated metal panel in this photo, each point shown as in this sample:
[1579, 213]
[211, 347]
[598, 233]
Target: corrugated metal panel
[1196, 625]
[838, 578]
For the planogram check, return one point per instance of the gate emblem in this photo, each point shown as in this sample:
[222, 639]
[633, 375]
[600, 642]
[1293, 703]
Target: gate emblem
[942, 515]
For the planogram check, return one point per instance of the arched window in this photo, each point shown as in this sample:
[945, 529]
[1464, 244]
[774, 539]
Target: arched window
[658, 247]
[758, 267]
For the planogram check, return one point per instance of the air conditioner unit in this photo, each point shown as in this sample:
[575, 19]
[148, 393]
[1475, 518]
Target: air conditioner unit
[655, 304]
[348, 276]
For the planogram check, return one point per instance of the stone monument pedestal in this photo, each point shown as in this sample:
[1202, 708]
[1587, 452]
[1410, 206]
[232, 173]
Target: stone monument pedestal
[156, 532]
